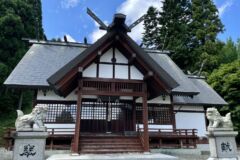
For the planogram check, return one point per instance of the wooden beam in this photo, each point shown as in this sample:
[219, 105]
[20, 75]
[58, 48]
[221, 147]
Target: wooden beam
[148, 75]
[80, 72]
[145, 121]
[132, 58]
[78, 119]
[172, 111]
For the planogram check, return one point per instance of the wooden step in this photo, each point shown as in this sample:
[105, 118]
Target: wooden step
[104, 151]
[109, 144]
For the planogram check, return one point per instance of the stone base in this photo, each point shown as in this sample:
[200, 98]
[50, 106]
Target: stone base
[127, 156]
[222, 144]
[29, 145]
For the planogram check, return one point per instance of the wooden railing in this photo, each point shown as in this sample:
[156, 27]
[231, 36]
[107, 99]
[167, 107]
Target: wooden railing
[182, 137]
[55, 134]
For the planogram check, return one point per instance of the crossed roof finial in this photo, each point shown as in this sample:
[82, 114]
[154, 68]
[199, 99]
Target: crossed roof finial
[119, 19]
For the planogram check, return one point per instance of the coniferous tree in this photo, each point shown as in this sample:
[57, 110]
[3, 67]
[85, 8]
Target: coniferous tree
[168, 30]
[174, 31]
[206, 25]
[151, 28]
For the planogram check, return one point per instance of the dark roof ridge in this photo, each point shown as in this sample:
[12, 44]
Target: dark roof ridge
[68, 44]
[196, 77]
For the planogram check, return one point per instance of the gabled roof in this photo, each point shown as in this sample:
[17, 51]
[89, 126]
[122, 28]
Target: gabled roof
[40, 62]
[65, 79]
[185, 85]
[207, 95]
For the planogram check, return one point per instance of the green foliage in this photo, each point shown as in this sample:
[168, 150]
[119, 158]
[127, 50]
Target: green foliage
[226, 81]
[205, 26]
[169, 30]
[151, 33]
[206, 23]
[18, 19]
[189, 29]
[229, 52]
[174, 31]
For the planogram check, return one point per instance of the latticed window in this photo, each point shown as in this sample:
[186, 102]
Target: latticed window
[61, 113]
[157, 114]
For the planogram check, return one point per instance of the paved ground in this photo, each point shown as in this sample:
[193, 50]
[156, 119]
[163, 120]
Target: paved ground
[182, 154]
[126, 156]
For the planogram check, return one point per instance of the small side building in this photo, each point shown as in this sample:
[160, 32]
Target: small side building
[114, 88]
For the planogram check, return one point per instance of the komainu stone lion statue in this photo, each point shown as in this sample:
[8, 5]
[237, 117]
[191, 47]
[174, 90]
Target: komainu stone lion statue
[26, 122]
[217, 121]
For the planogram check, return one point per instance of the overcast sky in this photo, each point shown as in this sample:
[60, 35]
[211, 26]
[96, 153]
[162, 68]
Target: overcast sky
[69, 17]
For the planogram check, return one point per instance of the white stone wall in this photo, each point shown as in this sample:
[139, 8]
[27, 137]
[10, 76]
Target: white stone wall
[106, 70]
[191, 120]
[50, 95]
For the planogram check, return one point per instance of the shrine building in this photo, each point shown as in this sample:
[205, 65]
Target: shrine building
[113, 95]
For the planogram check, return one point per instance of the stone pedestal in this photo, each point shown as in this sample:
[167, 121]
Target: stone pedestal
[29, 145]
[222, 144]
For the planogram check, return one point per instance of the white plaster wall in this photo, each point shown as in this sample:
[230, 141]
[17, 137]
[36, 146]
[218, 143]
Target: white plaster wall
[120, 57]
[157, 100]
[121, 72]
[191, 120]
[135, 73]
[155, 126]
[105, 71]
[126, 98]
[107, 56]
[65, 128]
[50, 95]
[90, 71]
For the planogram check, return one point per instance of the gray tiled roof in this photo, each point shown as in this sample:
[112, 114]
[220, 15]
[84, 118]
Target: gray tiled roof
[39, 63]
[207, 95]
[43, 60]
[185, 85]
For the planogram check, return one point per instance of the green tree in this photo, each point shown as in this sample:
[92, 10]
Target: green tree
[18, 19]
[151, 22]
[238, 48]
[226, 81]
[229, 52]
[205, 26]
[174, 31]
[169, 30]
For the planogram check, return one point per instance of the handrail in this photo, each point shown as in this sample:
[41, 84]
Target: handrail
[183, 132]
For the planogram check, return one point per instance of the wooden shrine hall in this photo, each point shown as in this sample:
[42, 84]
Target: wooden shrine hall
[113, 96]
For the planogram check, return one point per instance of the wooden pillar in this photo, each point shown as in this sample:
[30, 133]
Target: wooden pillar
[134, 113]
[20, 100]
[172, 111]
[145, 120]
[34, 100]
[78, 118]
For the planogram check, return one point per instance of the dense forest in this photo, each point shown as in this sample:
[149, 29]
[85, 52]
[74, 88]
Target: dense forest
[18, 19]
[189, 29]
